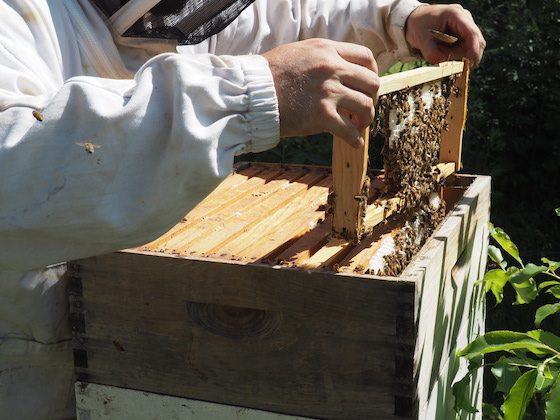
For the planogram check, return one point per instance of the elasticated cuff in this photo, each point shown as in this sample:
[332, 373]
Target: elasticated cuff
[398, 18]
[263, 115]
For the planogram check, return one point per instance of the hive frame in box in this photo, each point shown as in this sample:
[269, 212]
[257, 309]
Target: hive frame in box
[351, 218]
[311, 343]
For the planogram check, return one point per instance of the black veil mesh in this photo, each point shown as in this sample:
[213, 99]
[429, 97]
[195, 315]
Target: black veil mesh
[109, 7]
[187, 21]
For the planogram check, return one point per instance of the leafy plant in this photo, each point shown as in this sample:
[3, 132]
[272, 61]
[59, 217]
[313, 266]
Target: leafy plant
[511, 132]
[528, 368]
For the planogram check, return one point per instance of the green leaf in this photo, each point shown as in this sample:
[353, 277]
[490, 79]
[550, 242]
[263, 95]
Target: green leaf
[496, 255]
[544, 370]
[475, 363]
[505, 242]
[522, 359]
[505, 373]
[548, 284]
[542, 383]
[547, 338]
[519, 396]
[546, 376]
[552, 265]
[524, 283]
[553, 401]
[504, 341]
[558, 211]
[495, 280]
[554, 291]
[512, 270]
[462, 395]
[544, 312]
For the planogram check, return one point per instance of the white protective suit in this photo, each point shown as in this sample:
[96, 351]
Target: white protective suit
[165, 128]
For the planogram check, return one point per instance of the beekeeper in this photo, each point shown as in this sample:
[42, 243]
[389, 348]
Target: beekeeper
[108, 136]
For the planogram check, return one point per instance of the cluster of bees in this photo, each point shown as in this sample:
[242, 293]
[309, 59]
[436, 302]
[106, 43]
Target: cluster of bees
[411, 122]
[420, 224]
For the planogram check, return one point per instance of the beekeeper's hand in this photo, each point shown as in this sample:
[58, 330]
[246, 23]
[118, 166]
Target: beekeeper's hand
[450, 19]
[324, 86]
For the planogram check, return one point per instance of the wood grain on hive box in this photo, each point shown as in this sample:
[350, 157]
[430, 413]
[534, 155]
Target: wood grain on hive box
[224, 308]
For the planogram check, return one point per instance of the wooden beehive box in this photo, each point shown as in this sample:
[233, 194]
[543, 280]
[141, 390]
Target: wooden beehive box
[249, 302]
[241, 328]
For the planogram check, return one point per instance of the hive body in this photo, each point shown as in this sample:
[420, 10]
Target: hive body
[254, 327]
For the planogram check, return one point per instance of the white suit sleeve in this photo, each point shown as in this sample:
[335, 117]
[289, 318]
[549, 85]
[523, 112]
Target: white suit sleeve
[377, 24]
[114, 163]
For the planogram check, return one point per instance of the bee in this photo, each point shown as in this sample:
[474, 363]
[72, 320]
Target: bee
[38, 116]
[89, 147]
[456, 91]
[331, 198]
[360, 198]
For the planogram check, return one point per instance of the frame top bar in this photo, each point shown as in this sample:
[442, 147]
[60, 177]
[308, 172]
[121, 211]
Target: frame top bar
[404, 80]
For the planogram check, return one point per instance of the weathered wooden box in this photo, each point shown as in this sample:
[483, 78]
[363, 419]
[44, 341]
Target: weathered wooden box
[231, 307]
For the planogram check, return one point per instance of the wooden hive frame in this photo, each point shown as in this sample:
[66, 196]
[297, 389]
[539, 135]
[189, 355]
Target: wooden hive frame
[350, 165]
